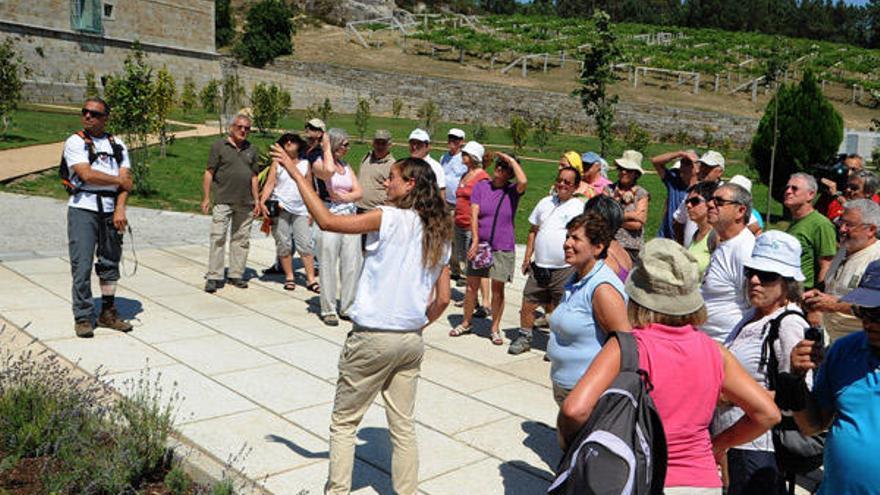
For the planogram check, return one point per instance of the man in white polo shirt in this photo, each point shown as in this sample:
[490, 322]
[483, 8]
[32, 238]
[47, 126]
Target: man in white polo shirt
[420, 147]
[549, 272]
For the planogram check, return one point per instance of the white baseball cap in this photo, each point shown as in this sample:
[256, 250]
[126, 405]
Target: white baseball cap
[741, 181]
[474, 149]
[712, 159]
[420, 135]
[456, 132]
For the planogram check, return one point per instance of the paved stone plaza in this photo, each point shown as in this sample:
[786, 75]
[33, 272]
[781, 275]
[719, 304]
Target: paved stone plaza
[256, 367]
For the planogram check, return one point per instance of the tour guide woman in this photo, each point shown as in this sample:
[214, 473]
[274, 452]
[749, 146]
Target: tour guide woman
[404, 286]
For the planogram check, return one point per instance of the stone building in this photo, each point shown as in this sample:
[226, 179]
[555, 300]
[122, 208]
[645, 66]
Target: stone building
[62, 40]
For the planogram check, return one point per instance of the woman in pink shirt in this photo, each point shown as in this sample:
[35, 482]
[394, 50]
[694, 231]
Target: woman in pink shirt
[688, 369]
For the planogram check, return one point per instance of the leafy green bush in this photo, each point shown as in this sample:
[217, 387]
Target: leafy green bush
[396, 107]
[636, 138]
[224, 23]
[362, 117]
[177, 482]
[270, 103]
[809, 132]
[429, 114]
[12, 67]
[519, 132]
[268, 33]
[188, 97]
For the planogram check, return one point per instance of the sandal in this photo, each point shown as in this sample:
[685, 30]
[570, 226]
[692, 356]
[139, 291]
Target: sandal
[314, 287]
[289, 285]
[496, 338]
[459, 331]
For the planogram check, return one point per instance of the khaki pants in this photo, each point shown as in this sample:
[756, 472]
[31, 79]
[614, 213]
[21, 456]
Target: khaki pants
[371, 362]
[241, 218]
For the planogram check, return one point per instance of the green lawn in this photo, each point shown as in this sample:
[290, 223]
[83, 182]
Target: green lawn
[178, 177]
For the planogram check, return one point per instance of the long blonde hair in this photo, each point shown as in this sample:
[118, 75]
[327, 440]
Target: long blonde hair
[425, 199]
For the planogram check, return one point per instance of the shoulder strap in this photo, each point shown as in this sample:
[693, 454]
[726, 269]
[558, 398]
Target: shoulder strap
[93, 153]
[768, 357]
[117, 149]
[495, 218]
[629, 351]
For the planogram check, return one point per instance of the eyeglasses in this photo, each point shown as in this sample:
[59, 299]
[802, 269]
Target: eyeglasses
[694, 201]
[843, 224]
[626, 171]
[723, 202]
[245, 128]
[764, 277]
[93, 113]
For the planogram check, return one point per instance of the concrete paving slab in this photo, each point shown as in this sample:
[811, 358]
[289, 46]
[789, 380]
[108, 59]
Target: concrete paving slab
[316, 356]
[533, 369]
[486, 477]
[451, 412]
[366, 480]
[216, 354]
[152, 283]
[22, 294]
[111, 352]
[159, 325]
[201, 306]
[198, 397]
[279, 387]
[50, 323]
[273, 445]
[528, 442]
[257, 330]
[461, 374]
[40, 265]
[523, 398]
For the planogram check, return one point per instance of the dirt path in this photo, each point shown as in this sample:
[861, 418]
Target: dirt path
[18, 162]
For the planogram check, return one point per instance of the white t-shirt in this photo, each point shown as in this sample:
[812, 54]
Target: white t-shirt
[723, 286]
[394, 289]
[551, 216]
[287, 193]
[438, 171]
[75, 152]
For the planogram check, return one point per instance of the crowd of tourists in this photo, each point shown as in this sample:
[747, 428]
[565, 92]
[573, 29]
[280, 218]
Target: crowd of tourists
[730, 319]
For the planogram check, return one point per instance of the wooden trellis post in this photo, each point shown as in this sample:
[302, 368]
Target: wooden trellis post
[546, 57]
[697, 84]
[754, 90]
[717, 80]
[525, 67]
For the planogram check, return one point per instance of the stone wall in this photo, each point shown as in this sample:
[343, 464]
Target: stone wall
[466, 101]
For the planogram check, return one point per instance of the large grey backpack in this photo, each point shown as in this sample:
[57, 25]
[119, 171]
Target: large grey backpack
[621, 450]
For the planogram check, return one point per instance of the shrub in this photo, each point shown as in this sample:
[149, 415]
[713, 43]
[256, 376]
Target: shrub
[210, 96]
[325, 111]
[636, 137]
[362, 117]
[11, 68]
[541, 135]
[519, 132]
[396, 107]
[177, 482]
[268, 32]
[270, 104]
[164, 93]
[480, 132]
[809, 132]
[188, 97]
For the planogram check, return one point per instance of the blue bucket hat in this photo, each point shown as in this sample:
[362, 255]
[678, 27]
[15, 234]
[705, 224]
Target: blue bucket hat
[590, 158]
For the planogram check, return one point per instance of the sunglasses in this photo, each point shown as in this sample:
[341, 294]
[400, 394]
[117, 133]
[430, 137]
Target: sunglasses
[345, 145]
[853, 187]
[764, 277]
[723, 202]
[565, 182]
[93, 113]
[793, 188]
[694, 201]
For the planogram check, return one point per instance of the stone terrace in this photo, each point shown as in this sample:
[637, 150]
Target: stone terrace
[257, 368]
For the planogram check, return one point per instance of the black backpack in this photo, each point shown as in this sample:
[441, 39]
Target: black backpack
[621, 449]
[795, 453]
[64, 172]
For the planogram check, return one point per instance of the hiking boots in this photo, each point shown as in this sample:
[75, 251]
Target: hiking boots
[84, 329]
[109, 318]
[522, 343]
[238, 282]
[211, 286]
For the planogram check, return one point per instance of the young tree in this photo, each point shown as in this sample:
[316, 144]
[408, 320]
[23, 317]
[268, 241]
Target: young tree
[325, 110]
[11, 68]
[362, 117]
[231, 98]
[164, 93]
[270, 104]
[130, 96]
[428, 114]
[810, 131]
[91, 84]
[774, 70]
[268, 33]
[224, 23]
[188, 96]
[595, 78]
[480, 132]
[209, 96]
[519, 132]
[541, 135]
[396, 107]
[636, 138]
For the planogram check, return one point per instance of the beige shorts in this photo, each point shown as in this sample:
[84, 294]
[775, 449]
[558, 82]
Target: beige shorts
[501, 269]
[289, 229]
[548, 291]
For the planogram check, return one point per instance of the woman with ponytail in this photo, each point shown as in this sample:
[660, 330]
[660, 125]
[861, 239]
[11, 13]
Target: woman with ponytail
[404, 286]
